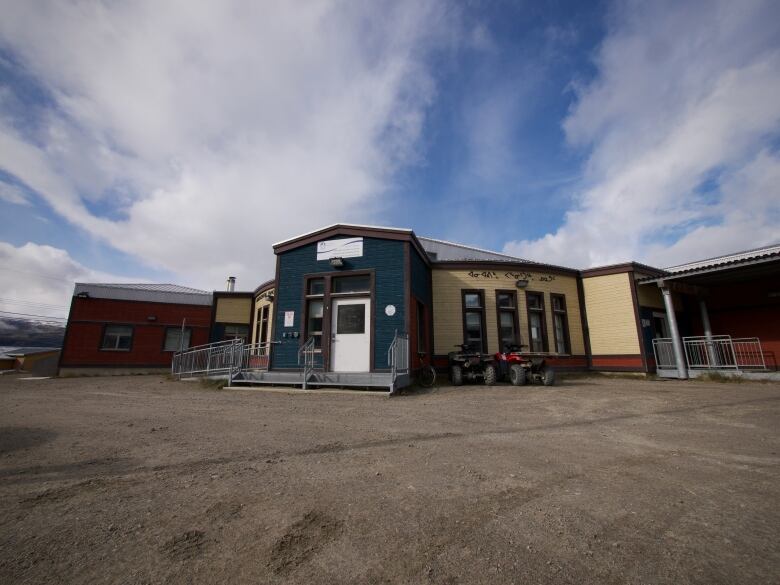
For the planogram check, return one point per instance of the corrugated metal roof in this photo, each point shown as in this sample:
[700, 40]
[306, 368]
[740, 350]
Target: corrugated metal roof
[728, 259]
[150, 292]
[445, 250]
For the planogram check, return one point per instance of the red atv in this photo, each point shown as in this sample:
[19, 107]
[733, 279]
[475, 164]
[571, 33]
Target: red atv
[521, 369]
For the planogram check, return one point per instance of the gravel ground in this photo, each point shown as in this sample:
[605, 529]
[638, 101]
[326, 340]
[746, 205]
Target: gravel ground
[145, 480]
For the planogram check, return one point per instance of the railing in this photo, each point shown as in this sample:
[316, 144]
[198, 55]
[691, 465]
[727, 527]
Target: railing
[398, 356]
[256, 357]
[306, 357]
[207, 360]
[663, 349]
[717, 352]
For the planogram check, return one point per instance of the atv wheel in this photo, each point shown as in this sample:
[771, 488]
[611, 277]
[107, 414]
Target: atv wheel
[456, 375]
[517, 375]
[490, 375]
[548, 376]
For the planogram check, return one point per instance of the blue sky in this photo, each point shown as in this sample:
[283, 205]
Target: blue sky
[176, 142]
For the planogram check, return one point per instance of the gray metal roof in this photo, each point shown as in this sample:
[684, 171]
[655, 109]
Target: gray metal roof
[149, 292]
[448, 251]
[728, 259]
[12, 352]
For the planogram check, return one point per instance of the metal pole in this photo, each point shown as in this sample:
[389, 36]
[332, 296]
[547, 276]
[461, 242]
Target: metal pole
[679, 354]
[705, 320]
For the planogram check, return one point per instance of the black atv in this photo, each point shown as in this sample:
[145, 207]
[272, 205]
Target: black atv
[521, 369]
[471, 365]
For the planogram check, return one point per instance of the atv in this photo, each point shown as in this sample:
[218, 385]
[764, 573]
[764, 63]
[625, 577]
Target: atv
[471, 365]
[521, 369]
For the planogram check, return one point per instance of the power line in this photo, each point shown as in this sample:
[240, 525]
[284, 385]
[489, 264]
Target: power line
[31, 315]
[32, 303]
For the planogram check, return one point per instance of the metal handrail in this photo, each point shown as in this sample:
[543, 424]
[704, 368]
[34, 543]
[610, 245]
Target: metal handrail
[205, 360]
[307, 352]
[714, 352]
[398, 357]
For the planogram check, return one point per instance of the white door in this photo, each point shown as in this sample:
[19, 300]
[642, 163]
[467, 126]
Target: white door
[350, 345]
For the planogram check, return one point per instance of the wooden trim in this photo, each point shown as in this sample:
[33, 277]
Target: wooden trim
[327, 318]
[483, 310]
[619, 268]
[638, 321]
[584, 320]
[275, 330]
[565, 313]
[545, 341]
[150, 324]
[261, 288]
[407, 290]
[604, 356]
[515, 311]
[524, 266]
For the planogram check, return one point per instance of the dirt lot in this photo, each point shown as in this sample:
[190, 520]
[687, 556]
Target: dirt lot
[144, 480]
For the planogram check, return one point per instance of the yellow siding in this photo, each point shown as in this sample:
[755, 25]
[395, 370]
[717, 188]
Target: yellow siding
[261, 302]
[233, 310]
[610, 311]
[649, 295]
[448, 308]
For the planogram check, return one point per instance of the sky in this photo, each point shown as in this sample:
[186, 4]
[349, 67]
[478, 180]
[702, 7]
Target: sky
[177, 141]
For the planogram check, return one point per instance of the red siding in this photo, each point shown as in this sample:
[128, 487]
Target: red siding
[88, 318]
[617, 363]
[746, 309]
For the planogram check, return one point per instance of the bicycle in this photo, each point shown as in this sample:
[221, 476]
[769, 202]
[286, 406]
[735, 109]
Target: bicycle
[426, 375]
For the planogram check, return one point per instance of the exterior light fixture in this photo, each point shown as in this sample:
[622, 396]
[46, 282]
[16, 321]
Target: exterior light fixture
[521, 283]
[337, 262]
[83, 295]
[151, 318]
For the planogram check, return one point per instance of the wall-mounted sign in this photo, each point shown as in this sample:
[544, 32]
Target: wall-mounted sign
[390, 310]
[289, 318]
[518, 277]
[342, 248]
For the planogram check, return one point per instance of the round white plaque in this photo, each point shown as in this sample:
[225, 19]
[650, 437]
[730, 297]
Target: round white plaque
[390, 310]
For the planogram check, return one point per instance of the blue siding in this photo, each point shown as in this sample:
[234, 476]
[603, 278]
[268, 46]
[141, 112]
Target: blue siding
[386, 257]
[421, 282]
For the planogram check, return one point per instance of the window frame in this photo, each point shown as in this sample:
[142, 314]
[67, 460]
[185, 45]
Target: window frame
[565, 313]
[516, 317]
[174, 328]
[106, 326]
[246, 338]
[543, 314]
[481, 310]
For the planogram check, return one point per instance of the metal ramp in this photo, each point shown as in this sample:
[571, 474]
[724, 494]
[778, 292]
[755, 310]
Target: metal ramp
[249, 365]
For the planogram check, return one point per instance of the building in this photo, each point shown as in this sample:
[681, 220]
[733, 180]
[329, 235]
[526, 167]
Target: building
[365, 305]
[132, 328]
[40, 361]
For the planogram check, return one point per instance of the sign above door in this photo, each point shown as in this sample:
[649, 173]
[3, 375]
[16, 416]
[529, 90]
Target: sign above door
[342, 248]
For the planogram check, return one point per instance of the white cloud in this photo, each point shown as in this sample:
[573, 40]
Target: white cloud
[13, 194]
[38, 280]
[679, 122]
[215, 129]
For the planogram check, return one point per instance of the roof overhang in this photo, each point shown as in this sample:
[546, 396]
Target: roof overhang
[712, 274]
[346, 229]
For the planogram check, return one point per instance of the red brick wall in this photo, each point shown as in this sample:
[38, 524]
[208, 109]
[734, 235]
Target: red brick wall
[88, 318]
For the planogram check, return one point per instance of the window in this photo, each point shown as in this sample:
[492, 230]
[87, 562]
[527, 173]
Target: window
[261, 332]
[506, 305]
[173, 339]
[314, 321]
[352, 284]
[351, 319]
[560, 323]
[316, 286]
[536, 328]
[117, 338]
[236, 332]
[474, 320]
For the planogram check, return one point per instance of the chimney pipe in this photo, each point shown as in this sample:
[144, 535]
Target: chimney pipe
[231, 284]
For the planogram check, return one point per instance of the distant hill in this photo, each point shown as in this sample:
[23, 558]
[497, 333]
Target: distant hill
[21, 333]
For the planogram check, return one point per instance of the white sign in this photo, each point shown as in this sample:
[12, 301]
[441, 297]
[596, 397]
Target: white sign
[289, 318]
[390, 310]
[343, 248]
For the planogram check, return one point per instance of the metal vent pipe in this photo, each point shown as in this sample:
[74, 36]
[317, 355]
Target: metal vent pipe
[231, 284]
